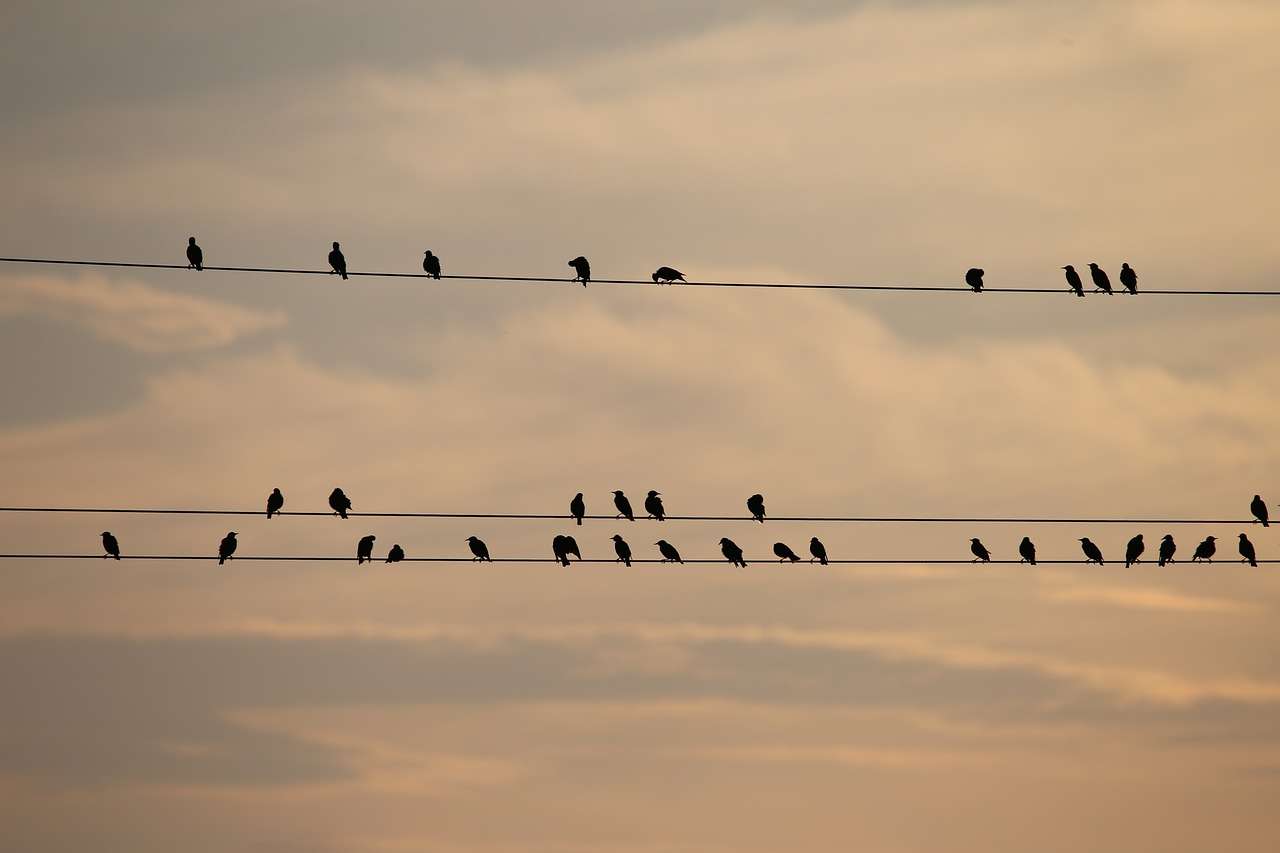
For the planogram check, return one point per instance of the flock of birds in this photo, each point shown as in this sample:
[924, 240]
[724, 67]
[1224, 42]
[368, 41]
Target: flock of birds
[1101, 281]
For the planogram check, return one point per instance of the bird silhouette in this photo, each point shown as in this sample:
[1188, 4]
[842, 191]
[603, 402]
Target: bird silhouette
[622, 549]
[1100, 280]
[110, 545]
[755, 504]
[1206, 549]
[1167, 549]
[578, 508]
[818, 550]
[979, 550]
[1259, 509]
[1073, 280]
[227, 547]
[1247, 552]
[1129, 278]
[395, 555]
[973, 278]
[1092, 553]
[1133, 551]
[624, 506]
[431, 264]
[195, 255]
[667, 274]
[653, 506]
[338, 261]
[275, 501]
[364, 549]
[582, 268]
[784, 553]
[479, 550]
[339, 502]
[732, 553]
[668, 552]
[563, 546]
[1027, 550]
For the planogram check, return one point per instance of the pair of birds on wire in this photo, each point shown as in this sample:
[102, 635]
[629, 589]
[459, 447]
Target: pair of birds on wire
[226, 548]
[1101, 281]
[1133, 551]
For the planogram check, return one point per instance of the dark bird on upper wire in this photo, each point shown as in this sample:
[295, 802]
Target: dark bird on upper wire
[755, 504]
[818, 550]
[732, 553]
[784, 553]
[1134, 550]
[227, 547]
[563, 546]
[979, 550]
[668, 551]
[431, 264]
[1092, 553]
[1247, 553]
[364, 549]
[624, 506]
[1206, 549]
[1129, 278]
[479, 550]
[395, 555]
[1167, 549]
[1027, 550]
[275, 502]
[1073, 280]
[110, 545]
[653, 506]
[973, 278]
[622, 549]
[338, 261]
[1100, 280]
[582, 268]
[195, 255]
[1259, 509]
[578, 508]
[339, 502]
[667, 274]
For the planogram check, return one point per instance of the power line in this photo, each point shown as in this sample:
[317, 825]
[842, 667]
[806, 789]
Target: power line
[526, 279]
[926, 561]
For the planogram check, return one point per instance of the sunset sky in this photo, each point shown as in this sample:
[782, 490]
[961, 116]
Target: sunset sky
[153, 706]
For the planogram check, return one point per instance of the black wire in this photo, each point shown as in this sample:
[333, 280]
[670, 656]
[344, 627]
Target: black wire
[290, 559]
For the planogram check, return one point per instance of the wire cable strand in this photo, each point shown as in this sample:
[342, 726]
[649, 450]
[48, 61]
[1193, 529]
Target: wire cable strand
[925, 561]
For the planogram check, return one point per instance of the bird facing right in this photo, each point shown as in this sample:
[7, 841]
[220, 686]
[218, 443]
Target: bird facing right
[275, 502]
[1206, 549]
[653, 506]
[1167, 549]
[578, 508]
[1134, 550]
[227, 547]
[973, 278]
[1129, 279]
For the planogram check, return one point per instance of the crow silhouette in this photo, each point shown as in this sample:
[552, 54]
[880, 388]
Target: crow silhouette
[582, 268]
[973, 278]
[979, 550]
[395, 555]
[667, 274]
[1259, 509]
[479, 550]
[1092, 553]
[755, 504]
[563, 546]
[1100, 280]
[1129, 278]
[624, 506]
[784, 553]
[110, 545]
[818, 550]
[364, 549]
[653, 506]
[1133, 551]
[1027, 550]
[732, 553]
[622, 549]
[1167, 549]
[338, 261]
[1206, 549]
[339, 502]
[668, 552]
[578, 508]
[195, 255]
[275, 501]
[1247, 552]
[1073, 280]
[227, 547]
[431, 264]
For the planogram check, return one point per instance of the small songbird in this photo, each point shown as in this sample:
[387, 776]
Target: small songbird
[1247, 552]
[1073, 280]
[275, 502]
[732, 553]
[653, 506]
[818, 550]
[431, 264]
[1027, 550]
[582, 268]
[364, 549]
[479, 550]
[110, 545]
[578, 508]
[623, 505]
[668, 552]
[973, 278]
[1206, 549]
[1167, 549]
[784, 553]
[1259, 510]
[1129, 278]
[1092, 553]
[667, 274]
[227, 547]
[622, 549]
[339, 502]
[338, 261]
[979, 550]
[1100, 280]
[1134, 550]
[563, 546]
[395, 555]
[195, 255]
[755, 504]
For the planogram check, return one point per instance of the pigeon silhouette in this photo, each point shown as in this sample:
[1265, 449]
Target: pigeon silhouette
[582, 268]
[395, 555]
[110, 545]
[624, 506]
[364, 549]
[668, 552]
[1100, 280]
[578, 508]
[431, 264]
[653, 506]
[227, 547]
[563, 546]
[338, 261]
[1247, 553]
[1027, 550]
[1129, 278]
[1167, 549]
[732, 553]
[818, 550]
[973, 278]
[1092, 553]
[275, 501]
[979, 550]
[1073, 280]
[1206, 549]
[195, 255]
[667, 274]
[622, 549]
[1134, 550]
[479, 550]
[755, 504]
[784, 553]
[339, 502]
[1259, 510]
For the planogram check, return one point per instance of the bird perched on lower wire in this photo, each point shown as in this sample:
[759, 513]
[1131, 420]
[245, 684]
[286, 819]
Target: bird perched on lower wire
[583, 269]
[668, 552]
[1259, 509]
[563, 546]
[653, 506]
[979, 550]
[1027, 550]
[431, 264]
[110, 545]
[1073, 280]
[755, 505]
[732, 553]
[577, 508]
[227, 547]
[1129, 278]
[784, 553]
[818, 550]
[622, 549]
[1100, 280]
[1167, 549]
[667, 274]
[195, 255]
[1247, 552]
[1206, 549]
[479, 550]
[973, 278]
[339, 502]
[364, 549]
[1133, 551]
[623, 506]
[275, 502]
[395, 555]
[1092, 553]
[338, 261]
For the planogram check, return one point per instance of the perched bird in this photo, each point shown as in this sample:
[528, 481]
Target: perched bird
[563, 546]
[571, 547]
[227, 547]
[1100, 280]
[275, 501]
[364, 549]
[195, 255]
[973, 278]
[582, 268]
[1092, 553]
[818, 550]
[979, 550]
[1206, 549]
[653, 506]
[479, 550]
[110, 545]
[1027, 550]
[1167, 549]
[431, 264]
[755, 504]
[622, 549]
[667, 274]
[1247, 553]
[339, 502]
[1259, 510]
[784, 553]
[578, 508]
[668, 552]
[1073, 280]
[395, 555]
[338, 261]
[623, 505]
[1134, 550]
[732, 553]
[1129, 278]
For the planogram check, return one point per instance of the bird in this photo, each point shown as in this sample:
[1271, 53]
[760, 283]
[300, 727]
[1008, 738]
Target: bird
[818, 550]
[275, 501]
[653, 506]
[338, 261]
[973, 278]
[1259, 509]
[979, 550]
[364, 549]
[583, 269]
[479, 550]
[431, 264]
[578, 508]
[1100, 280]
[195, 255]
[1073, 280]
[1167, 549]
[227, 547]
[784, 553]
[1129, 278]
[395, 555]
[732, 552]
[667, 274]
[110, 545]
[339, 502]
[1206, 549]
[1247, 551]
[1027, 550]
[622, 549]
[562, 547]
[668, 552]
[571, 547]
[755, 504]
[1092, 553]
[623, 505]
[1134, 550]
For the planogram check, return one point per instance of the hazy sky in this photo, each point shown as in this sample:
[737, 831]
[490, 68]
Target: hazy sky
[151, 706]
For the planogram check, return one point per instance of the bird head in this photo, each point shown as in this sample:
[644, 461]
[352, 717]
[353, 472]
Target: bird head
[616, 537]
[191, 241]
[1086, 539]
[1069, 268]
[231, 535]
[106, 533]
[335, 244]
[725, 542]
[1138, 537]
[655, 277]
[1211, 538]
[471, 539]
[1093, 266]
[1168, 537]
[427, 253]
[1243, 537]
[653, 493]
[617, 493]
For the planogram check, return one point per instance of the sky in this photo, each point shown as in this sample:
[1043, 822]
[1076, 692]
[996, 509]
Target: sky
[159, 705]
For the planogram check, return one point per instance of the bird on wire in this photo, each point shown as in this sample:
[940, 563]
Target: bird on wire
[275, 502]
[1073, 280]
[732, 553]
[784, 553]
[1247, 552]
[578, 508]
[1100, 280]
[583, 269]
[395, 555]
[1206, 549]
[111, 545]
[195, 255]
[479, 550]
[339, 502]
[1259, 509]
[338, 261]
[973, 278]
[1129, 279]
[755, 505]
[667, 275]
[1133, 551]
[623, 506]
[1092, 553]
[1167, 549]
[1027, 550]
[818, 550]
[979, 550]
[431, 264]
[364, 549]
[622, 549]
[227, 547]
[563, 546]
[668, 552]
[653, 506]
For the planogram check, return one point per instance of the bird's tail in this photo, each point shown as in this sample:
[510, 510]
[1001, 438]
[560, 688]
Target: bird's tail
[579, 522]
[117, 556]
[221, 560]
